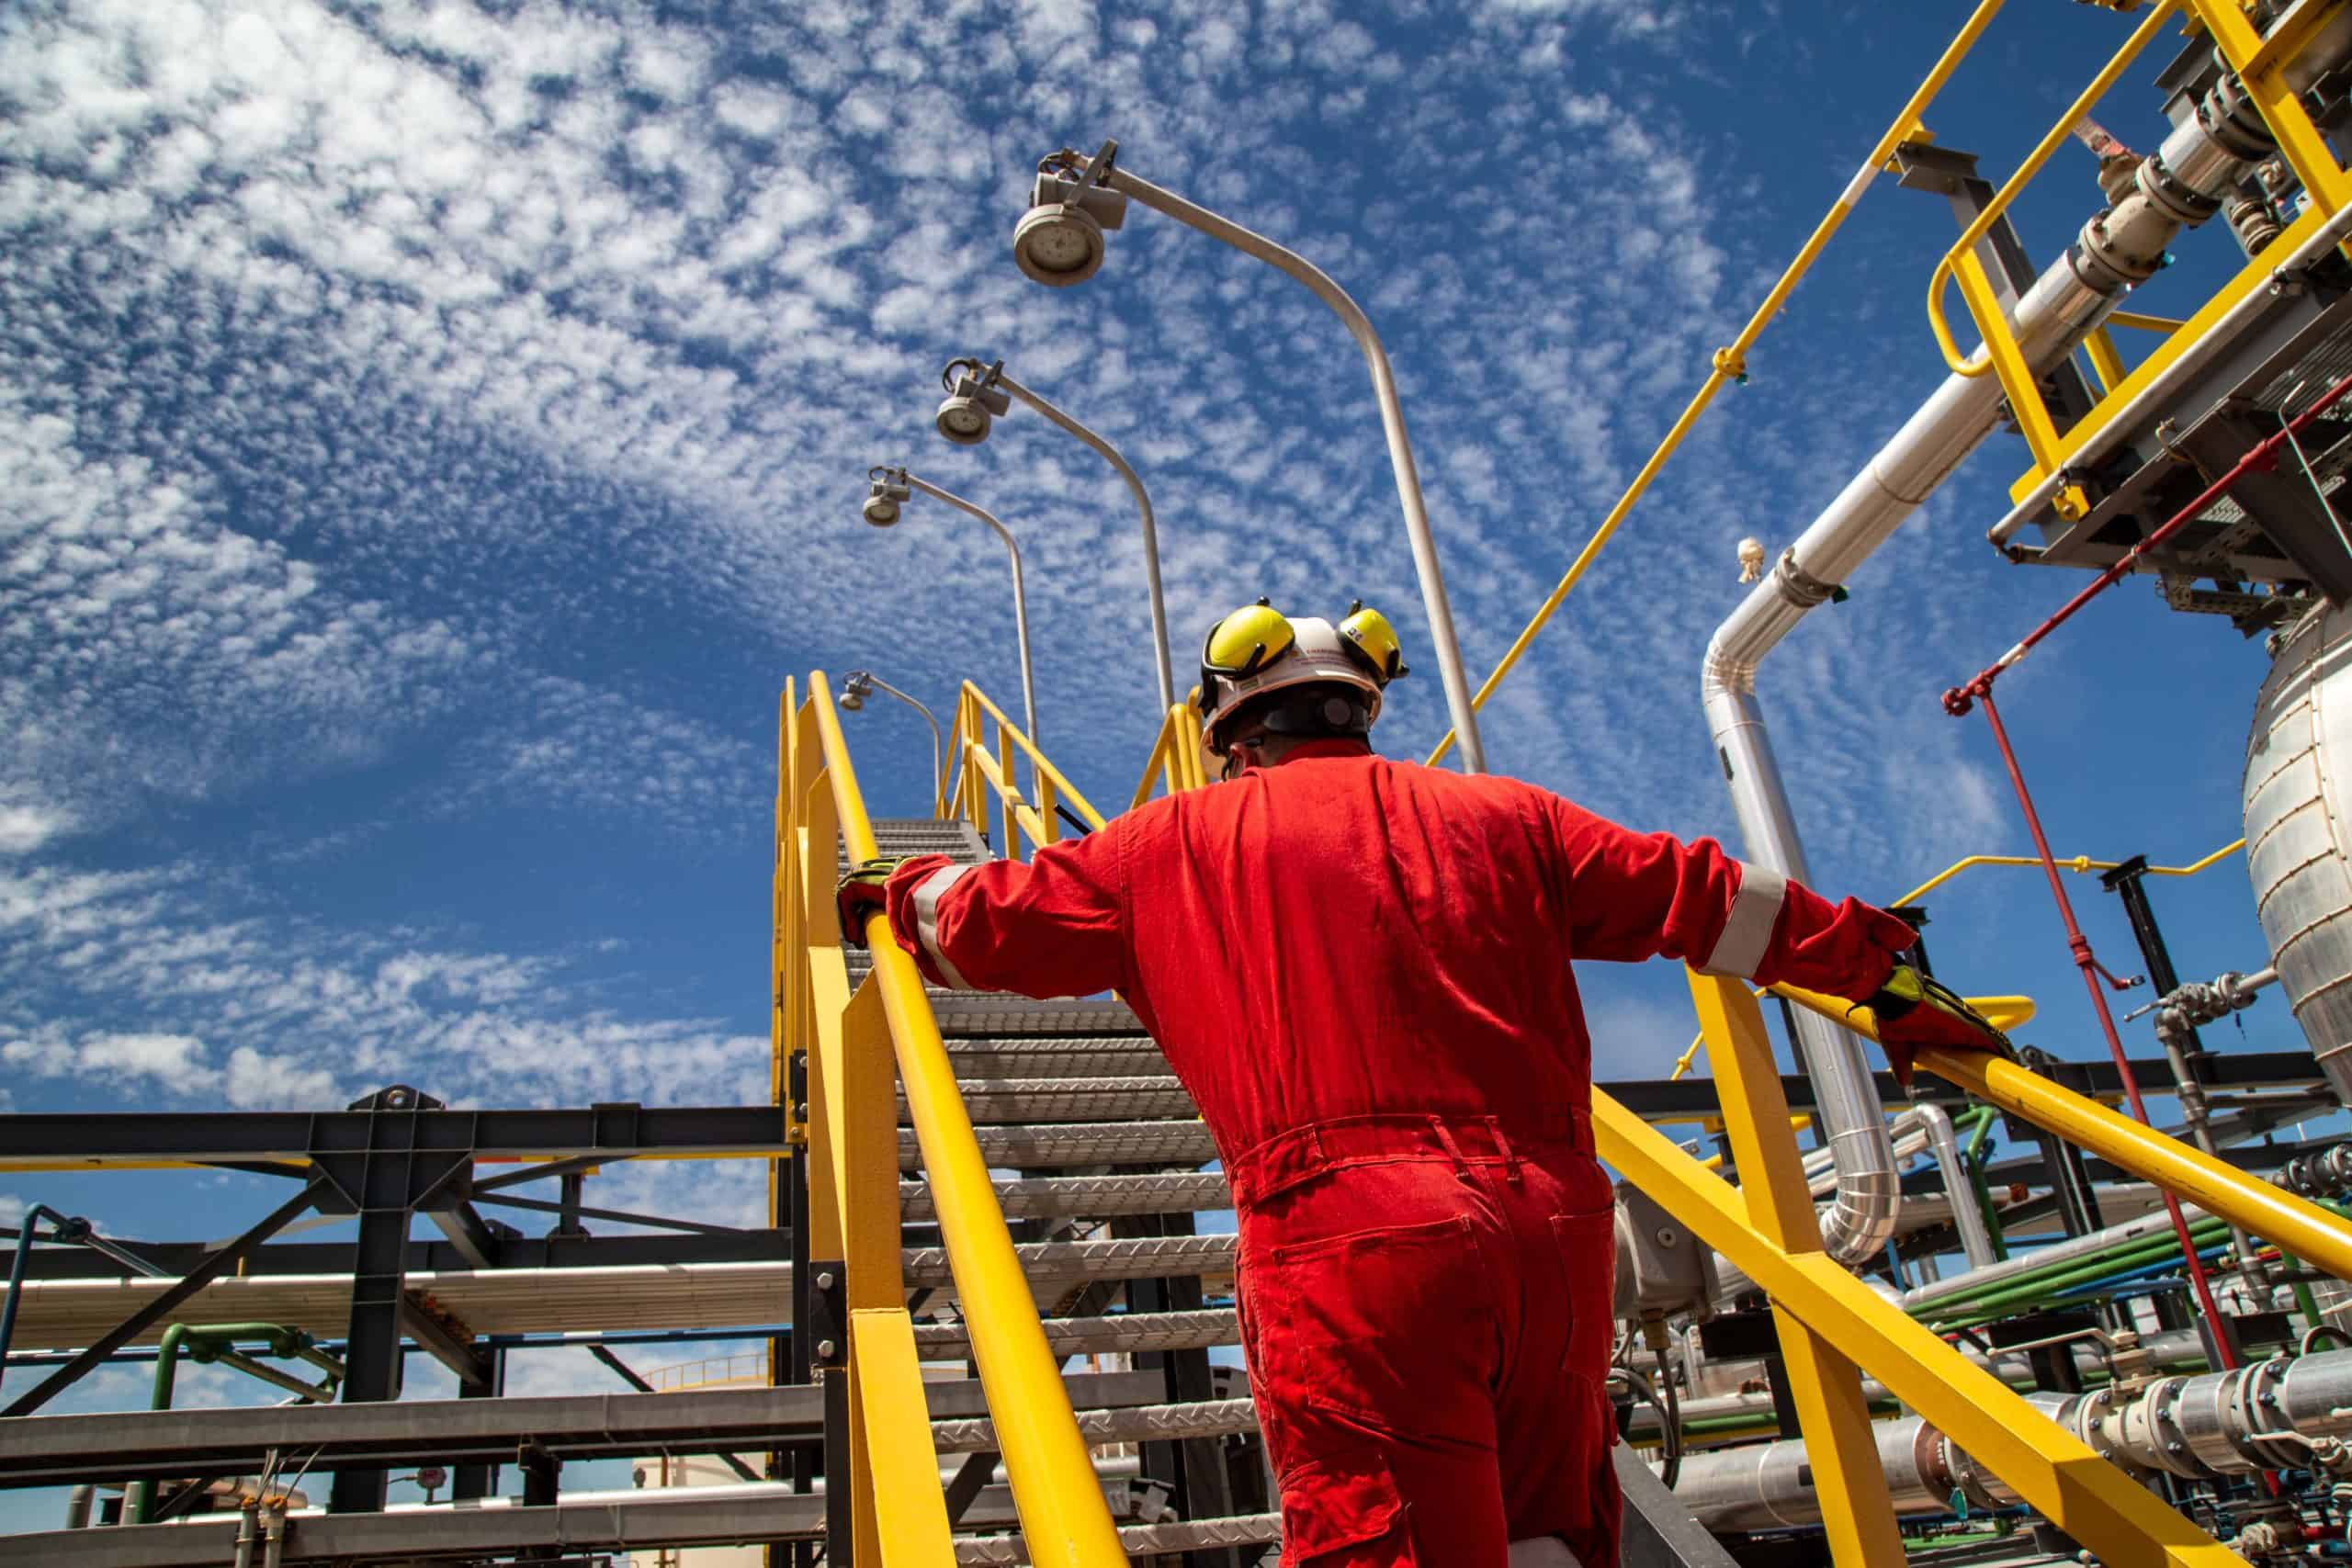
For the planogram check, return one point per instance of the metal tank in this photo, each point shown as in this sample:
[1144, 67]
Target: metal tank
[2298, 838]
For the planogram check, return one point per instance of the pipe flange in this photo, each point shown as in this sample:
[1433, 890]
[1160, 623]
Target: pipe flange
[2182, 203]
[2262, 1406]
[1972, 1480]
[2107, 243]
[2092, 1421]
[1798, 586]
[2230, 117]
[2164, 1443]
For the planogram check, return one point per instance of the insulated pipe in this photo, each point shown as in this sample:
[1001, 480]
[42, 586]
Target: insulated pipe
[1967, 1219]
[2180, 185]
[2268, 1415]
[1019, 594]
[1978, 1282]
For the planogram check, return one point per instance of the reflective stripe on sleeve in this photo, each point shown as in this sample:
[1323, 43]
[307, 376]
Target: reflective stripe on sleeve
[1747, 933]
[927, 922]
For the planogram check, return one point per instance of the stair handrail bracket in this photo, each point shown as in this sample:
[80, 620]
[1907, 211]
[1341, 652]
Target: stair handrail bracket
[1834, 1326]
[854, 1166]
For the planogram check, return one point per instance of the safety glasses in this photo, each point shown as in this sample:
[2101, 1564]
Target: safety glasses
[1246, 642]
[1374, 641]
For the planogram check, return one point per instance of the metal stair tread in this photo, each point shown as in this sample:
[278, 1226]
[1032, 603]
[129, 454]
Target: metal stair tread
[1074, 1057]
[1135, 1333]
[1071, 1100]
[1116, 1257]
[1150, 1192]
[1122, 1424]
[1184, 1142]
[1141, 1540]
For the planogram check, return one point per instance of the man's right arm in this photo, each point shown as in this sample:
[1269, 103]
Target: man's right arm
[1636, 896]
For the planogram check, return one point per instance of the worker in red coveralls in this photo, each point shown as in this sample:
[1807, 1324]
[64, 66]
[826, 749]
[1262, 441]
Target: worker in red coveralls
[1361, 970]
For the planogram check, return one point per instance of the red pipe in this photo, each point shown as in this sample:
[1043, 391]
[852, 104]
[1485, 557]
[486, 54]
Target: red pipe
[2259, 456]
[2080, 945]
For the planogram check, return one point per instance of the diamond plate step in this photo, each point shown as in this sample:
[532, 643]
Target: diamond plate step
[1135, 1333]
[1142, 1540]
[1069, 1056]
[1131, 1423]
[1062, 1262]
[972, 1014]
[1036, 1197]
[922, 836]
[1001, 1101]
[1082, 1143]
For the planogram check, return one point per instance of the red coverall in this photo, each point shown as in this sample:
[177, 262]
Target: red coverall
[1360, 970]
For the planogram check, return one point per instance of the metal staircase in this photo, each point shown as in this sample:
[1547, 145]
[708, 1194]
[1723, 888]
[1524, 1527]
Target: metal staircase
[1102, 1155]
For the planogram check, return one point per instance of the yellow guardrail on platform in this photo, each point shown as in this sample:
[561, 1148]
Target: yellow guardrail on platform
[853, 1042]
[974, 777]
[1175, 763]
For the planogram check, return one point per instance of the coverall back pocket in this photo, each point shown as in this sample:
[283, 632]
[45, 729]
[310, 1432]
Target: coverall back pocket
[1371, 1323]
[1588, 1251]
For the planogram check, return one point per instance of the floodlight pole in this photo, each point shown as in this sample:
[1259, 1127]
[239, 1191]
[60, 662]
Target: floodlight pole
[1160, 650]
[938, 744]
[1392, 420]
[1019, 593]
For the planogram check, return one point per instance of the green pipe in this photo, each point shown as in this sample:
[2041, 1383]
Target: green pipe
[2304, 1301]
[211, 1342]
[2090, 1265]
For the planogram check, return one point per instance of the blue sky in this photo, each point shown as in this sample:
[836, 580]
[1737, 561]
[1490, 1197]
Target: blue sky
[429, 436]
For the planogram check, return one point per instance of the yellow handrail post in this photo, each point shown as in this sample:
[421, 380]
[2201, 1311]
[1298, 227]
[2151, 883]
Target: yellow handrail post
[1008, 791]
[892, 1432]
[1063, 1512]
[828, 995]
[1049, 820]
[1856, 1508]
[2105, 361]
[861, 1090]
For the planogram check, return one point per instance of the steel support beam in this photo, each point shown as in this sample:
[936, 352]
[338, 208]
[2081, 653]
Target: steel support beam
[605, 1132]
[680, 1517]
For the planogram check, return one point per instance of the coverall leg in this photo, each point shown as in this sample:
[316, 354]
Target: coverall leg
[1426, 1307]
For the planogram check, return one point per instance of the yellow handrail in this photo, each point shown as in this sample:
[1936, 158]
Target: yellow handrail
[1730, 363]
[1063, 1512]
[2056, 137]
[1175, 755]
[1045, 770]
[2078, 864]
[2298, 1225]
[2139, 322]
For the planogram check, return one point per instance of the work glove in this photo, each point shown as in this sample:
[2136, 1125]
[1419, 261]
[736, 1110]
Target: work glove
[1912, 1011]
[865, 890]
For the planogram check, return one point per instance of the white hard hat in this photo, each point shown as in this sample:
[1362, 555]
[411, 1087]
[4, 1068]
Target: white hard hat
[1256, 650]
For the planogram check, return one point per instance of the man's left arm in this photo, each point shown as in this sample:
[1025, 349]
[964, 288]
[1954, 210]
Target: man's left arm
[1051, 926]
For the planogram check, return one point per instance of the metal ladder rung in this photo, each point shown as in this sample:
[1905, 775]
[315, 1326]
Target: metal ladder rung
[1131, 1423]
[1135, 1333]
[1082, 1143]
[1143, 1541]
[1072, 1099]
[1122, 1258]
